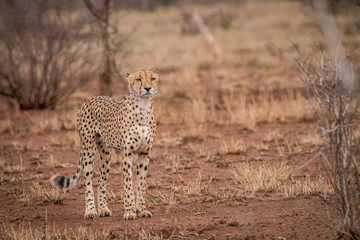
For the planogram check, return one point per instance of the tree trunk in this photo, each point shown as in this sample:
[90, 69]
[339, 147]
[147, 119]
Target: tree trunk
[106, 76]
[103, 16]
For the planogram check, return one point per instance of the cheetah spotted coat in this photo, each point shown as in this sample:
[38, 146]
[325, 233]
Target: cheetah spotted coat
[126, 126]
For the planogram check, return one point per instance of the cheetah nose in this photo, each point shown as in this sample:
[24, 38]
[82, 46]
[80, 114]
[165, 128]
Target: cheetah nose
[147, 88]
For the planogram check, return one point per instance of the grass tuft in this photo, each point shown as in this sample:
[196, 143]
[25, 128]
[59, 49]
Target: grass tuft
[232, 147]
[276, 178]
[48, 194]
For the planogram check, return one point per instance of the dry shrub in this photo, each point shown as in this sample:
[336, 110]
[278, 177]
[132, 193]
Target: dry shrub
[41, 57]
[332, 94]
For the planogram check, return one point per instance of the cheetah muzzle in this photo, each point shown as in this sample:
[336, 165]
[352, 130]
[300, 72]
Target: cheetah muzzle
[127, 126]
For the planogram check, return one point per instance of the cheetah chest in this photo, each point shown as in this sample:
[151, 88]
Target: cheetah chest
[145, 138]
[145, 135]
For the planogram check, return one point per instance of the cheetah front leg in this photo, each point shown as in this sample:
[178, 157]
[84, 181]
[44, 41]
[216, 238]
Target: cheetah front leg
[105, 158]
[141, 170]
[129, 199]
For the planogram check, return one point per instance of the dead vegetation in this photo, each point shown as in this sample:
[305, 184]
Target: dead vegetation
[268, 178]
[332, 93]
[39, 65]
[26, 232]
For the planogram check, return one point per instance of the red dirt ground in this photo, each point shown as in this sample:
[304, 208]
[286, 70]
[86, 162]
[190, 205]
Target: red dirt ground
[207, 215]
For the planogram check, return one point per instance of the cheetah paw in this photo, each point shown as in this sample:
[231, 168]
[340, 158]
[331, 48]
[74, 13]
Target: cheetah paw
[104, 212]
[144, 214]
[90, 214]
[130, 216]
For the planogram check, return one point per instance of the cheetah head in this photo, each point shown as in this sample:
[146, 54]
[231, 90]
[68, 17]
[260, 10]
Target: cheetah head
[143, 83]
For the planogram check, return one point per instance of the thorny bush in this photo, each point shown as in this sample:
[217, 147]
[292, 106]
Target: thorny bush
[332, 93]
[41, 57]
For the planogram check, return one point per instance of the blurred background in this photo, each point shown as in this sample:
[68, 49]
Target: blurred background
[51, 48]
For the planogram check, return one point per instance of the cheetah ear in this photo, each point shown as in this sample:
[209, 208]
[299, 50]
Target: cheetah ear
[127, 74]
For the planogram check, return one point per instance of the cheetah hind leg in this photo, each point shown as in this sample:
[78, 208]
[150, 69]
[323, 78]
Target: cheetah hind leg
[105, 157]
[88, 159]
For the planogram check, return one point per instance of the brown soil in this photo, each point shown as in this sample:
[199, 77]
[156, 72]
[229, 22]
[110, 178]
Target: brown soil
[207, 215]
[192, 192]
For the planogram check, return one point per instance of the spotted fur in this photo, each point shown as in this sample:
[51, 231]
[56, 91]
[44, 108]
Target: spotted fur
[126, 126]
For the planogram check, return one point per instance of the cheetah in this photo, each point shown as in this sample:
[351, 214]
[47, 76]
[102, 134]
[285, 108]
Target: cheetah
[126, 126]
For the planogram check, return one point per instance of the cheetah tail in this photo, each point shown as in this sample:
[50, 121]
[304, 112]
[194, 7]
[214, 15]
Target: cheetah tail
[66, 182]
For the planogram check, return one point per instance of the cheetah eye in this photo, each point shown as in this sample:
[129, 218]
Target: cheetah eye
[138, 79]
[153, 79]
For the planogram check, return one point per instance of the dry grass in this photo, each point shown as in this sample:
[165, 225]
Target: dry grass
[262, 146]
[195, 132]
[21, 196]
[164, 198]
[263, 178]
[56, 122]
[305, 187]
[196, 112]
[265, 108]
[26, 232]
[6, 126]
[46, 194]
[232, 147]
[145, 235]
[74, 139]
[198, 149]
[52, 162]
[56, 141]
[313, 139]
[174, 163]
[195, 188]
[167, 140]
[287, 148]
[275, 178]
[274, 136]
[40, 124]
[115, 197]
[10, 167]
